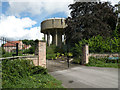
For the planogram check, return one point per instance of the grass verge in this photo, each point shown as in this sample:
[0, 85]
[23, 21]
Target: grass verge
[23, 74]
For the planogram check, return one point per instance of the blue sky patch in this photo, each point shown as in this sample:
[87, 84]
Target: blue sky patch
[5, 6]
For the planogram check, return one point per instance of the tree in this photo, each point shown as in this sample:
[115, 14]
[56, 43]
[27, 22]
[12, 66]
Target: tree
[118, 13]
[33, 44]
[90, 19]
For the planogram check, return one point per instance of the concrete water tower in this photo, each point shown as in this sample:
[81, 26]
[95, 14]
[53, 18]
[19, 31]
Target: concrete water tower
[55, 28]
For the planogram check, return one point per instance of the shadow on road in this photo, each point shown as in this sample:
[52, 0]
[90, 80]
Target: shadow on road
[56, 65]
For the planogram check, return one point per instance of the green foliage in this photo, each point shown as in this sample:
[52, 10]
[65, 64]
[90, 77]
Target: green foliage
[28, 42]
[77, 49]
[31, 50]
[3, 51]
[54, 52]
[33, 43]
[76, 60]
[19, 68]
[7, 54]
[102, 62]
[23, 74]
[0, 52]
[58, 54]
[116, 32]
[98, 45]
[90, 19]
[51, 52]
[59, 49]
[70, 54]
[54, 49]
[51, 49]
[51, 56]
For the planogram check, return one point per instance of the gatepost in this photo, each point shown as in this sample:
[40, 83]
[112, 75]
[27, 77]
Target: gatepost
[42, 54]
[85, 54]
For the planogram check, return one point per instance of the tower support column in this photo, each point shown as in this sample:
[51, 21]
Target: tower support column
[56, 38]
[59, 39]
[45, 37]
[64, 38]
[48, 38]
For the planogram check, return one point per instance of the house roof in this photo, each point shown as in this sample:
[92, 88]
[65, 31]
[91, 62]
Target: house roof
[11, 43]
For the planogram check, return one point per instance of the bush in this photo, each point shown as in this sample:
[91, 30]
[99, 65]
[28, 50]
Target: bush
[59, 49]
[31, 50]
[51, 56]
[76, 60]
[70, 54]
[23, 74]
[102, 62]
[51, 49]
[54, 52]
[58, 55]
[98, 45]
[7, 54]
[14, 70]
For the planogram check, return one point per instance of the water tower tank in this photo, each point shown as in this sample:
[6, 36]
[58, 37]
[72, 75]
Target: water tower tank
[55, 28]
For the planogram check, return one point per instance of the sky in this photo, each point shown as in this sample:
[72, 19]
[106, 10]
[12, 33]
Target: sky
[21, 19]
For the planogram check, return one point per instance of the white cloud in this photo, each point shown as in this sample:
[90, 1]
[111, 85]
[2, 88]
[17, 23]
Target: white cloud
[12, 27]
[38, 7]
[113, 2]
[41, 7]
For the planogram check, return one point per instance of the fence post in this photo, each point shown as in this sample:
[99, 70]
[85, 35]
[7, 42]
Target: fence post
[16, 49]
[85, 54]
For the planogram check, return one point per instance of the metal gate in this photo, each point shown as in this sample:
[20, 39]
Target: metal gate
[59, 64]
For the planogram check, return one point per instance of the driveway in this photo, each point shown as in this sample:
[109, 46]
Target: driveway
[87, 77]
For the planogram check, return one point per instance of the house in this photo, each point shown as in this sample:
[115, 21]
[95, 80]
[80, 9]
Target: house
[10, 46]
[26, 46]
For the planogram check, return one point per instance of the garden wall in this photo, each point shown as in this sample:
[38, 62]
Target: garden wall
[39, 59]
[86, 55]
[105, 55]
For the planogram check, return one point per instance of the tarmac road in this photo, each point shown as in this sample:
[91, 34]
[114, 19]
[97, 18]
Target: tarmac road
[87, 77]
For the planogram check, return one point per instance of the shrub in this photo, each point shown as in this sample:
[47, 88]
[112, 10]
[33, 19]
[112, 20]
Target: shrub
[31, 50]
[38, 70]
[58, 55]
[59, 49]
[76, 60]
[54, 52]
[102, 62]
[51, 49]
[23, 74]
[16, 69]
[98, 45]
[51, 56]
[7, 54]
[70, 54]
